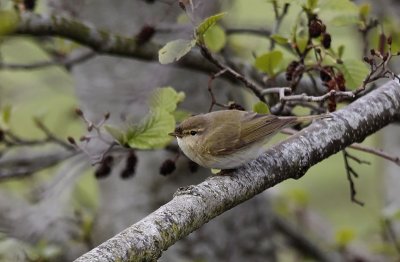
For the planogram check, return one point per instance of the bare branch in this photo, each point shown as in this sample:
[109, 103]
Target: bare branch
[193, 206]
[106, 43]
[377, 152]
[257, 90]
[350, 174]
[306, 98]
[359, 147]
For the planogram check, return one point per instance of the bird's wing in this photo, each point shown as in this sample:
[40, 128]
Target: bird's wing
[256, 127]
[232, 136]
[226, 139]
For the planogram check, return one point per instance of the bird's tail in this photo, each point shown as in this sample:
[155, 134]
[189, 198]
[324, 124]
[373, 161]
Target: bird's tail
[301, 119]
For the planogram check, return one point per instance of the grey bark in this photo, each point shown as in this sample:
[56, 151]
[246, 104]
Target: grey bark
[193, 206]
[122, 86]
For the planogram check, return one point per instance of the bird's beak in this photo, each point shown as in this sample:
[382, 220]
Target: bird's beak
[175, 134]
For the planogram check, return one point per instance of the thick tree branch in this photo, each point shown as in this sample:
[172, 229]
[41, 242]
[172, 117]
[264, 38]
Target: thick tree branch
[106, 43]
[102, 41]
[193, 206]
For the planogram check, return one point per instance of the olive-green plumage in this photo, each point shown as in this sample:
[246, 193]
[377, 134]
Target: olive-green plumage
[229, 138]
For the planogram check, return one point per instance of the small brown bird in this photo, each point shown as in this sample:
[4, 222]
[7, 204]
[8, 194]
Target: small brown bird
[227, 139]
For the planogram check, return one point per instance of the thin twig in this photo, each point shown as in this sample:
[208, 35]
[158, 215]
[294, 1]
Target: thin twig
[306, 98]
[213, 99]
[358, 160]
[350, 173]
[249, 84]
[253, 31]
[50, 137]
[278, 20]
[315, 108]
[391, 234]
[377, 152]
[359, 147]
[378, 71]
[272, 90]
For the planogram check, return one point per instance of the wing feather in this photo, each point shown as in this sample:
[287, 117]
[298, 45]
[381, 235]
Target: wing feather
[232, 136]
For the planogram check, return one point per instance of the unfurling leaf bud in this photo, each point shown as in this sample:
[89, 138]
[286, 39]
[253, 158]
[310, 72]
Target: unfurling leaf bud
[78, 112]
[71, 140]
[389, 40]
[125, 174]
[182, 4]
[103, 171]
[385, 57]
[167, 167]
[108, 160]
[326, 40]
[105, 167]
[130, 166]
[372, 51]
[316, 28]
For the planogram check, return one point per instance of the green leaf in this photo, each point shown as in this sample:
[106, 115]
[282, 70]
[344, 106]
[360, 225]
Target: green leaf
[364, 11]
[354, 72]
[116, 133]
[312, 4]
[280, 39]
[396, 215]
[261, 108]
[269, 62]
[6, 114]
[182, 19]
[215, 171]
[175, 50]
[181, 115]
[302, 43]
[343, 6]
[215, 38]
[341, 51]
[345, 20]
[344, 236]
[207, 24]
[8, 21]
[299, 196]
[166, 98]
[152, 132]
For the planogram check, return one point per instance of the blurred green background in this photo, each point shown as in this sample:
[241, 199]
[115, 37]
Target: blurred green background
[49, 94]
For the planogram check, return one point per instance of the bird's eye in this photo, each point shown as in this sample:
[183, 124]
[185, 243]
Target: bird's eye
[193, 133]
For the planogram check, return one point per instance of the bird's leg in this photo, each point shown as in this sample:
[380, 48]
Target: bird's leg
[226, 172]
